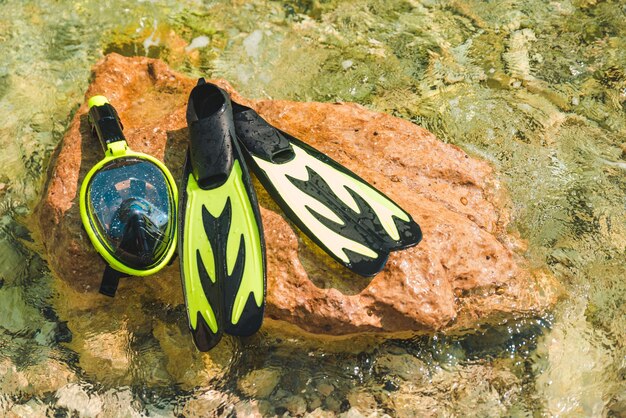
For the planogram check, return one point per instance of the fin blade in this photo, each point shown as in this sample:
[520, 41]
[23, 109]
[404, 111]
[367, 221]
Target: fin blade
[245, 277]
[201, 286]
[348, 218]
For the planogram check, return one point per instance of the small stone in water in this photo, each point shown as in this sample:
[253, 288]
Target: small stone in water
[347, 64]
[391, 386]
[199, 42]
[325, 389]
[296, 405]
[575, 101]
[332, 404]
[252, 42]
[345, 406]
[259, 383]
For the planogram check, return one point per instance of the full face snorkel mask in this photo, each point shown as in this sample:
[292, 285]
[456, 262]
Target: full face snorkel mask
[128, 204]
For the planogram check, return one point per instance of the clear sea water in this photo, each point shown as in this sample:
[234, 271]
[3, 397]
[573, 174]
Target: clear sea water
[536, 88]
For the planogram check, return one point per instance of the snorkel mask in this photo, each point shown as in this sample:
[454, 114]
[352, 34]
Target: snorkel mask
[128, 204]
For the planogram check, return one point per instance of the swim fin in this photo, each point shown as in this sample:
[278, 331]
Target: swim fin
[348, 218]
[221, 246]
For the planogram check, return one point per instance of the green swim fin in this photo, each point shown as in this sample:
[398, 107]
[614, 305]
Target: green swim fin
[348, 218]
[221, 245]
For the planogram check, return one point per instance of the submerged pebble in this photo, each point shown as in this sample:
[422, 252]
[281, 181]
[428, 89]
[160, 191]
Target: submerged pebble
[259, 383]
[75, 398]
[365, 401]
[405, 366]
[199, 42]
[325, 389]
[252, 42]
[295, 404]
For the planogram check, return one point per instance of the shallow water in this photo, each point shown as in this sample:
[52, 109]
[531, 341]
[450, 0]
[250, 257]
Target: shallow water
[538, 89]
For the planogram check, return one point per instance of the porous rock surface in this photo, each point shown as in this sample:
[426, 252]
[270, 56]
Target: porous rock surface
[467, 270]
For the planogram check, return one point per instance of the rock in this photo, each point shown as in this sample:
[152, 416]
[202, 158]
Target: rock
[109, 350]
[314, 401]
[362, 402]
[352, 413]
[405, 366]
[250, 408]
[465, 271]
[475, 390]
[332, 403]
[296, 405]
[325, 389]
[618, 405]
[44, 377]
[208, 403]
[12, 381]
[264, 407]
[281, 394]
[189, 366]
[32, 408]
[410, 405]
[320, 413]
[75, 398]
[119, 403]
[48, 376]
[259, 383]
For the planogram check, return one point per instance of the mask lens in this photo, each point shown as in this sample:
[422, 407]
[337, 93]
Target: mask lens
[131, 207]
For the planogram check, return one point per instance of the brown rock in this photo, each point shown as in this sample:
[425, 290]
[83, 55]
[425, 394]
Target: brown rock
[259, 383]
[296, 405]
[207, 403]
[465, 271]
[362, 402]
[405, 366]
